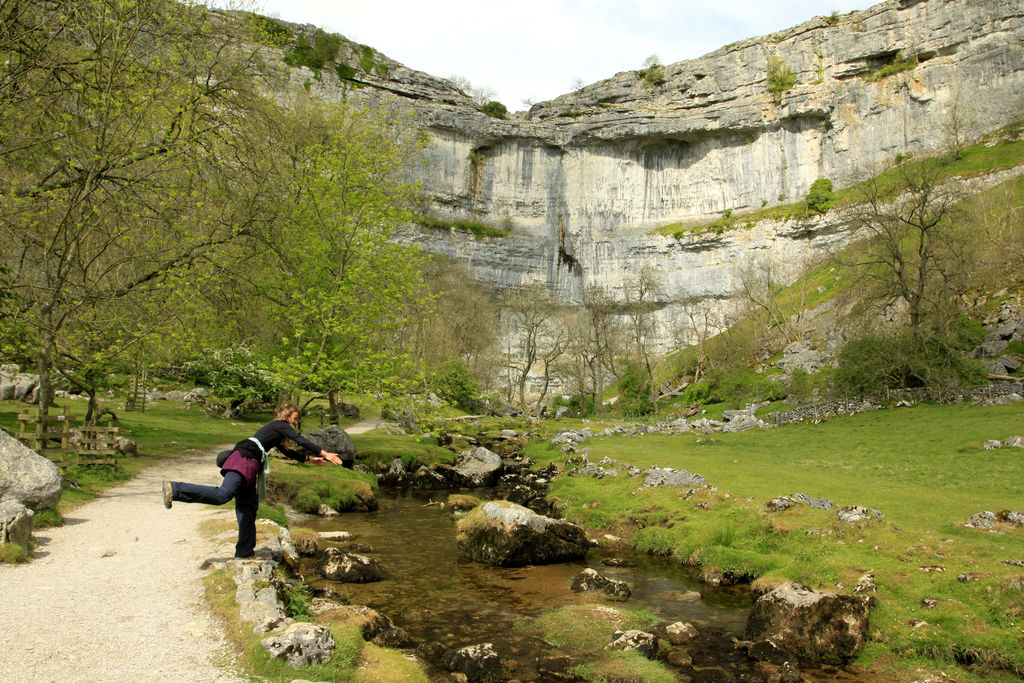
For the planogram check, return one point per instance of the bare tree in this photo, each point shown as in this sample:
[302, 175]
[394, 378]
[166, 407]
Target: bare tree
[912, 253]
[532, 341]
[643, 297]
[706, 319]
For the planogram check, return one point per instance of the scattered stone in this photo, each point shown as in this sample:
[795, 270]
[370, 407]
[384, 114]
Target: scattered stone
[326, 510]
[478, 663]
[657, 476]
[817, 627]
[786, 502]
[591, 580]
[336, 536]
[301, 644]
[338, 565]
[852, 514]
[981, 520]
[866, 584]
[1014, 563]
[1014, 442]
[478, 467]
[15, 523]
[969, 576]
[992, 444]
[1015, 518]
[929, 603]
[641, 641]
[681, 633]
[618, 562]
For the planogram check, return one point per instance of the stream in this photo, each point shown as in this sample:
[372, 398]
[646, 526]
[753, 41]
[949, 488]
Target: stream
[437, 595]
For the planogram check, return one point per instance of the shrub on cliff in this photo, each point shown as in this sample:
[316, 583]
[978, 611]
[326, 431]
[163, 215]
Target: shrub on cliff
[495, 109]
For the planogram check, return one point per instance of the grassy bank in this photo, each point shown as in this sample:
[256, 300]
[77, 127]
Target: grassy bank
[944, 592]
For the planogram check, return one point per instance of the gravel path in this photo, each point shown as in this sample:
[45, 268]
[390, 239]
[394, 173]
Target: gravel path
[116, 593]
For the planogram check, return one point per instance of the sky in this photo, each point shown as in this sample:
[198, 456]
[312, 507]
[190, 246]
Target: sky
[535, 50]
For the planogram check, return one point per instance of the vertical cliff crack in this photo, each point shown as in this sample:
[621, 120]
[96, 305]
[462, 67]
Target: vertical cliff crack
[564, 257]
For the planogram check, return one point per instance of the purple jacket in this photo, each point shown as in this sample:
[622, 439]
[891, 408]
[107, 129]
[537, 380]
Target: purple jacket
[247, 467]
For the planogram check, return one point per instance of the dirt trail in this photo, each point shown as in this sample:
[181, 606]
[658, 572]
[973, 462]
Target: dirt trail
[116, 593]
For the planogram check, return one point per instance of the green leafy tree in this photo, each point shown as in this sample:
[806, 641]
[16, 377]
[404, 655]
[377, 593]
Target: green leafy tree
[819, 197]
[340, 292]
[117, 118]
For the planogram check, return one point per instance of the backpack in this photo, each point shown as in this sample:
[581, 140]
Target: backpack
[223, 456]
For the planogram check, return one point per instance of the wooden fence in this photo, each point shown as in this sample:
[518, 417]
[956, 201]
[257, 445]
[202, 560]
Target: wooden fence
[50, 436]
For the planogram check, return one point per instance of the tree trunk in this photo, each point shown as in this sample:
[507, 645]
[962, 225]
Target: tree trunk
[332, 401]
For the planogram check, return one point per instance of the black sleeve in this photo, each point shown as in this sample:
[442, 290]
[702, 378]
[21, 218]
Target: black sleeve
[289, 431]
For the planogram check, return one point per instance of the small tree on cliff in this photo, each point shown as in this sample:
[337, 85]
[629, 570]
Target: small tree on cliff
[913, 253]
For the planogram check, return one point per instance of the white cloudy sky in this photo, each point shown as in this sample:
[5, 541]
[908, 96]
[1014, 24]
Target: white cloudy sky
[536, 49]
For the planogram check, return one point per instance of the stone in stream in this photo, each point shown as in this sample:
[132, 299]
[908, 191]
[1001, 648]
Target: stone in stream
[591, 580]
[338, 565]
[504, 534]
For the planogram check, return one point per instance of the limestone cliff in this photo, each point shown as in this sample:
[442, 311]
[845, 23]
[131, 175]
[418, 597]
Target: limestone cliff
[592, 173]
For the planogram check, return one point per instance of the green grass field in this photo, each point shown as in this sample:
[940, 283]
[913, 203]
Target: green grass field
[923, 467]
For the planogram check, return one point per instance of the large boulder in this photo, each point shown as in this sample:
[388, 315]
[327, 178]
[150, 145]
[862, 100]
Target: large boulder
[15, 523]
[334, 439]
[504, 534]
[815, 627]
[26, 476]
[479, 467]
[337, 565]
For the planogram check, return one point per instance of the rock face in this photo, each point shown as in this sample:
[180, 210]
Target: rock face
[508, 535]
[26, 476]
[814, 627]
[583, 179]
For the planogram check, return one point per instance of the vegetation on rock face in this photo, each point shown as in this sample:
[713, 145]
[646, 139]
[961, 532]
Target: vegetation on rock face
[495, 109]
[653, 73]
[896, 65]
[780, 76]
[324, 49]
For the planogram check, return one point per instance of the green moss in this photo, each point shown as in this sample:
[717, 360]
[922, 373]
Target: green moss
[613, 667]
[586, 629]
[897, 64]
[479, 230]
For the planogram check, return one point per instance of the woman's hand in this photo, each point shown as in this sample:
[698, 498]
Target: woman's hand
[315, 459]
[327, 455]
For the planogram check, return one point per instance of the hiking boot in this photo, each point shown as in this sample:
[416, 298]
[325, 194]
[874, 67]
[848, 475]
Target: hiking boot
[168, 494]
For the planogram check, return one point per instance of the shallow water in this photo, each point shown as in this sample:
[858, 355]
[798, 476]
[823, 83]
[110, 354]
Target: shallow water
[437, 595]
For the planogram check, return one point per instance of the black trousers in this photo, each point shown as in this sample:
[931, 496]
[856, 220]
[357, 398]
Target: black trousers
[247, 504]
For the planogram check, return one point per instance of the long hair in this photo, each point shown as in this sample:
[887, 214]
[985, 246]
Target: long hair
[284, 411]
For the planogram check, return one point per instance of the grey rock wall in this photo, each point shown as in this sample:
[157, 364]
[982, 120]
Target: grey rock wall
[596, 171]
